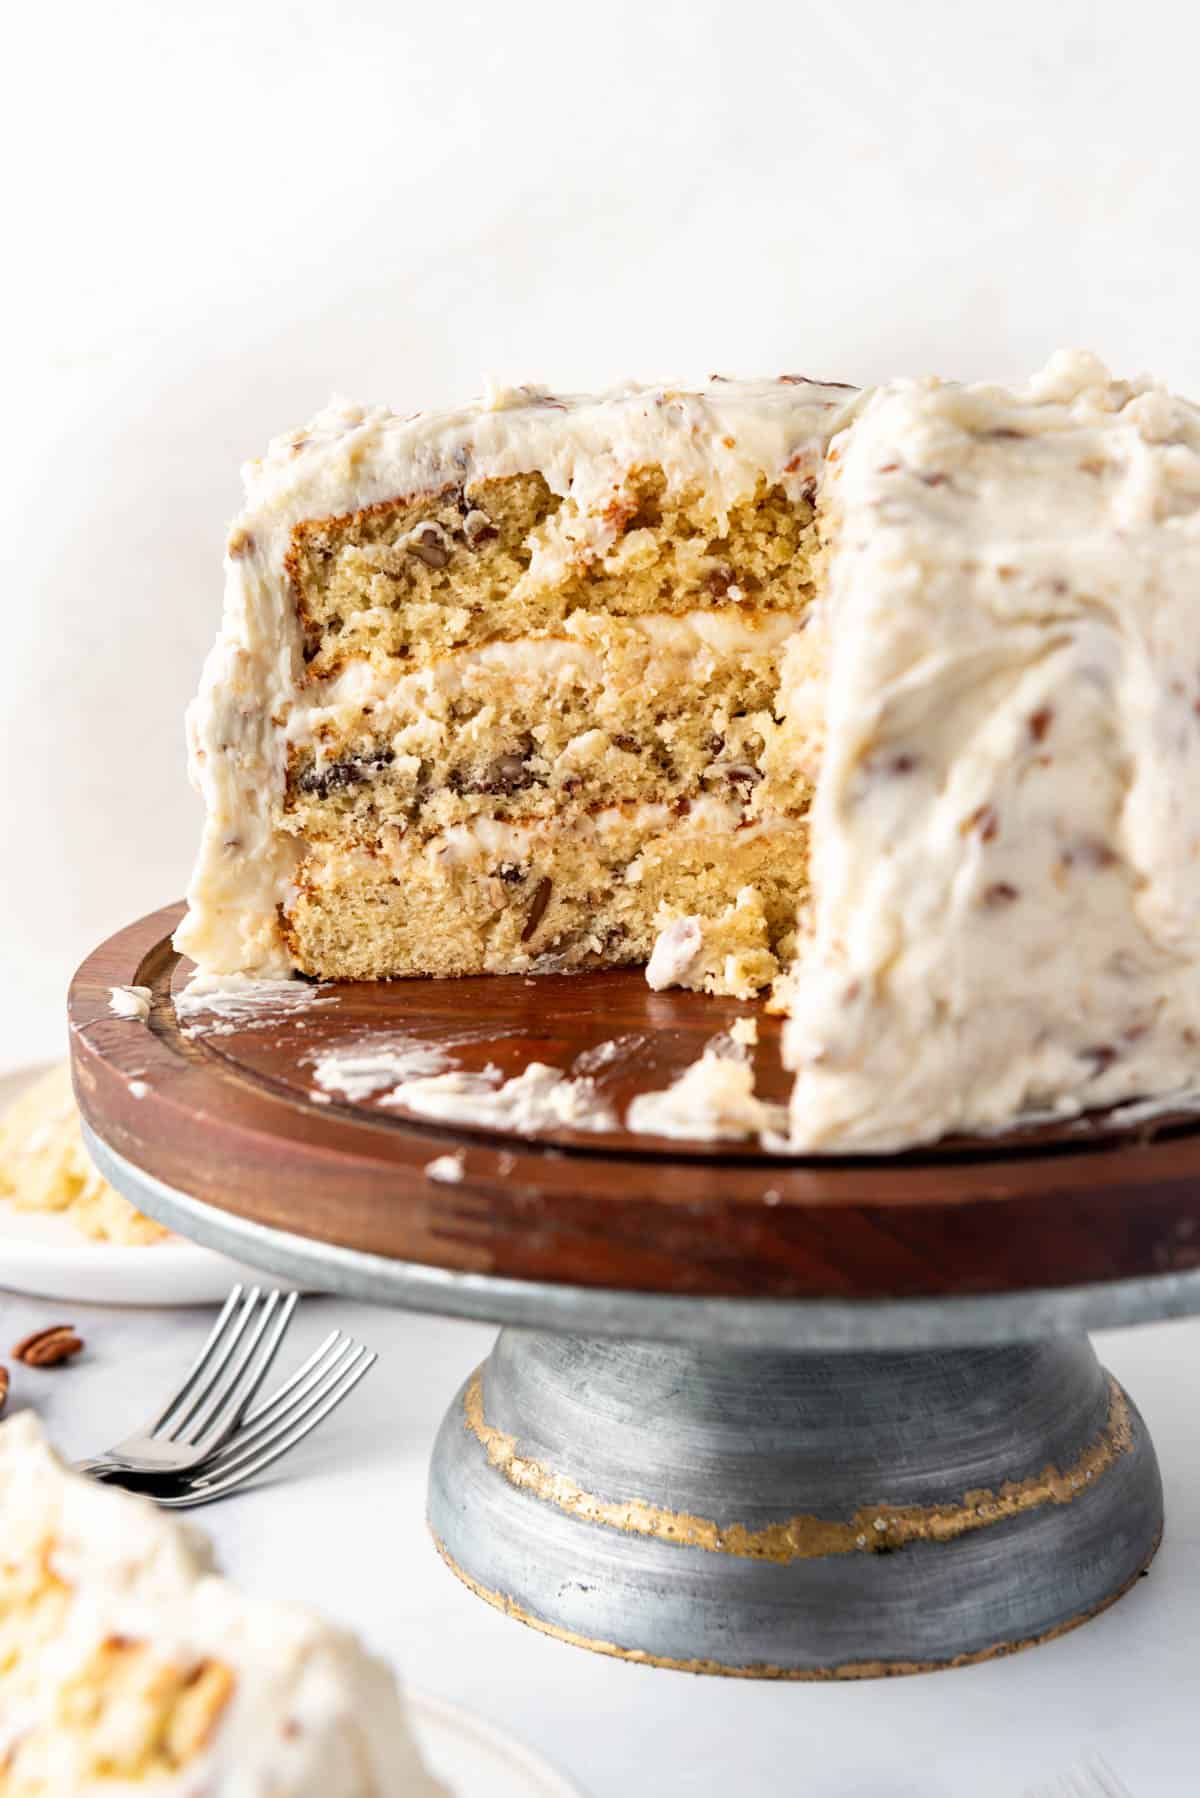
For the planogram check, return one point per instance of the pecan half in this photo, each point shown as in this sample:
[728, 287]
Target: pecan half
[48, 1347]
[537, 910]
[430, 544]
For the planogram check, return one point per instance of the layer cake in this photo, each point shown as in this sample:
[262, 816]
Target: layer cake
[896, 689]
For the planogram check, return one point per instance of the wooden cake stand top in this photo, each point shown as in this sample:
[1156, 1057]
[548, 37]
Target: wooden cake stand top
[227, 1112]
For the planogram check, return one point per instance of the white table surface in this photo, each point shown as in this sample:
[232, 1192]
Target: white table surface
[342, 1527]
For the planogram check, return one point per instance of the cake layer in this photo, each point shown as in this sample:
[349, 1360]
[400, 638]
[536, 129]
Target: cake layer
[609, 709]
[498, 560]
[545, 895]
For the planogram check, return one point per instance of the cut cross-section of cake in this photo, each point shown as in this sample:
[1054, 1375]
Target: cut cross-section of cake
[496, 690]
[898, 688]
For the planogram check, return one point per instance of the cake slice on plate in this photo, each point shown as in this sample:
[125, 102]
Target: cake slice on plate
[126, 1665]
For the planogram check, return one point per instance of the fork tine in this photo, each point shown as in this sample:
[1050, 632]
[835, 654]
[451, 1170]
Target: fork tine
[243, 1449]
[255, 1316]
[201, 1361]
[254, 1368]
[240, 1359]
[291, 1396]
[216, 1372]
[205, 1492]
[260, 1411]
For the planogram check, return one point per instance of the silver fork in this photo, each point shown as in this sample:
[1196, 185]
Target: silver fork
[328, 1376]
[206, 1410]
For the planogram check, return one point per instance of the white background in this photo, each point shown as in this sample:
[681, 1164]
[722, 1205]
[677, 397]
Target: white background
[216, 216]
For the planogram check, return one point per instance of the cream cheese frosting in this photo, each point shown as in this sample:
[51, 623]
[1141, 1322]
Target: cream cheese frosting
[126, 1665]
[1005, 848]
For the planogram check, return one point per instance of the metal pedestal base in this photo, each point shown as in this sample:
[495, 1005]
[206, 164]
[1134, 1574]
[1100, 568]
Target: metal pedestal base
[795, 1515]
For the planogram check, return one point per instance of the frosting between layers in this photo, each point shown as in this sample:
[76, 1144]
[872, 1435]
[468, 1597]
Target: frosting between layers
[502, 839]
[1005, 839]
[676, 644]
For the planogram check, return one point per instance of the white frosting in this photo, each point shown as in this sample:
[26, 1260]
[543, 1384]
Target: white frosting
[448, 1169]
[357, 1073]
[1005, 850]
[605, 1055]
[417, 1076]
[130, 1002]
[221, 1004]
[712, 1101]
[676, 948]
[539, 1098]
[726, 436]
[489, 839]
[309, 1713]
[680, 647]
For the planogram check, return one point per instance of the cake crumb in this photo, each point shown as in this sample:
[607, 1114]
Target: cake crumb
[729, 954]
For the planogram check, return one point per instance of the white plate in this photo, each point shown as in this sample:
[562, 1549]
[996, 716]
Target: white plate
[47, 1257]
[478, 1761]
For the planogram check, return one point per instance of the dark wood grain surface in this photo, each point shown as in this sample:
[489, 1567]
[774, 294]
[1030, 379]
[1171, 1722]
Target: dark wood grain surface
[231, 1116]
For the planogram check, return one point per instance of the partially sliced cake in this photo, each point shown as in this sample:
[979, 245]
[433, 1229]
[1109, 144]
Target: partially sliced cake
[126, 1666]
[496, 687]
[898, 688]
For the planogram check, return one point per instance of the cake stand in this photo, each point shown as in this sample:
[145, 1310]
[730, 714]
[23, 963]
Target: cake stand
[748, 1414]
